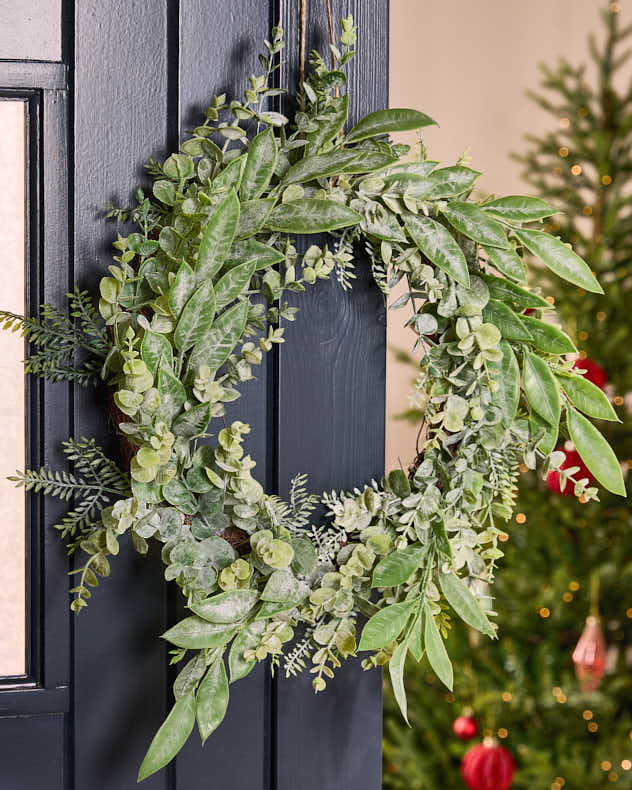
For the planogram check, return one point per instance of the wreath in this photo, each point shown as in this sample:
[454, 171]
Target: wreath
[180, 328]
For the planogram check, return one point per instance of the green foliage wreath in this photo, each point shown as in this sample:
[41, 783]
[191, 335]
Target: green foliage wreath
[183, 330]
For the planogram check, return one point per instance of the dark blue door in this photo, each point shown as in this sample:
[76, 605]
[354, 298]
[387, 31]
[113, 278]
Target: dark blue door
[104, 85]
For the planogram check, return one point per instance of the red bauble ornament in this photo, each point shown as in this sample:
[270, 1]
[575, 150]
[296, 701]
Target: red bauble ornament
[589, 656]
[488, 766]
[465, 727]
[572, 459]
[592, 371]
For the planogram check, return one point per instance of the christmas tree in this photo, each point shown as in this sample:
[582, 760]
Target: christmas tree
[564, 559]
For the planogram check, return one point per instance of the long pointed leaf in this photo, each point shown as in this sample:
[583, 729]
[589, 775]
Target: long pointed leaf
[595, 452]
[170, 738]
[217, 237]
[439, 246]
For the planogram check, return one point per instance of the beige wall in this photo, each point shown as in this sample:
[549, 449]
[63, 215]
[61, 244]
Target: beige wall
[467, 64]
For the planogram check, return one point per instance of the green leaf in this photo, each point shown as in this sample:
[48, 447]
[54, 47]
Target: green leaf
[387, 122]
[311, 216]
[423, 168]
[227, 607]
[507, 396]
[178, 495]
[272, 608]
[546, 337]
[595, 452]
[251, 250]
[197, 317]
[172, 393]
[435, 650]
[416, 638]
[153, 348]
[253, 216]
[192, 422]
[260, 164]
[541, 388]
[587, 397]
[396, 672]
[510, 325]
[217, 237]
[170, 738]
[386, 625]
[282, 586]
[194, 633]
[332, 121]
[512, 294]
[305, 557]
[559, 258]
[460, 598]
[212, 699]
[368, 162]
[182, 289]
[550, 433]
[470, 220]
[448, 182]
[172, 243]
[322, 166]
[230, 176]
[397, 567]
[233, 283]
[519, 208]
[165, 191]
[399, 483]
[441, 537]
[248, 639]
[439, 246]
[215, 347]
[508, 262]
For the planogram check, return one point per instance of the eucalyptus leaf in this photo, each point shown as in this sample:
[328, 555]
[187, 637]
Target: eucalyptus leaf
[439, 246]
[311, 216]
[541, 388]
[387, 122]
[595, 452]
[559, 258]
[260, 164]
[472, 221]
[171, 736]
[212, 699]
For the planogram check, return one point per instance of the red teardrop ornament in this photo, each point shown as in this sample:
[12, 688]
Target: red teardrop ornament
[589, 655]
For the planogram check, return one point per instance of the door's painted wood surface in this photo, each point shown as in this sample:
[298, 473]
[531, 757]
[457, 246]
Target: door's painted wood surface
[137, 75]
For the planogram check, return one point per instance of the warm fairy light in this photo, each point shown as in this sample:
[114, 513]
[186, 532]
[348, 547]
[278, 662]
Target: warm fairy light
[567, 597]
[574, 586]
[562, 699]
[587, 715]
[565, 123]
[587, 211]
[576, 170]
[449, 698]
[549, 299]
[628, 614]
[583, 112]
[560, 780]
[563, 151]
[606, 765]
[601, 316]
[583, 335]
[582, 355]
[544, 612]
[520, 518]
[506, 697]
[606, 180]
[613, 776]
[523, 469]
[628, 463]
[593, 726]
[626, 765]
[502, 732]
[582, 498]
[556, 786]
[618, 400]
[503, 537]
[556, 691]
